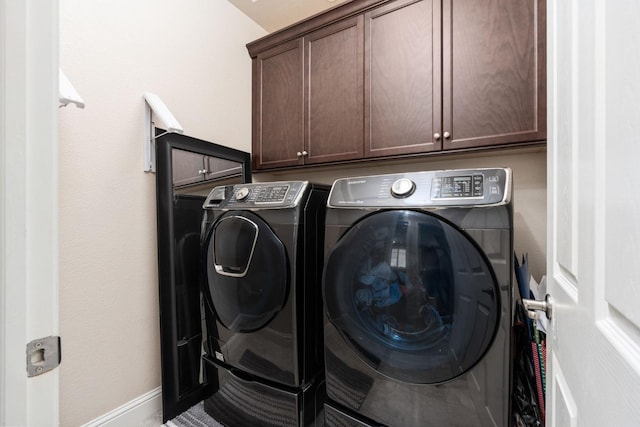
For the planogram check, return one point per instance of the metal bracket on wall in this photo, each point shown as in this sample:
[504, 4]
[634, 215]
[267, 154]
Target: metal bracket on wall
[154, 106]
[43, 355]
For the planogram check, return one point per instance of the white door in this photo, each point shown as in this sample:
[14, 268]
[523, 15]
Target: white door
[28, 207]
[594, 212]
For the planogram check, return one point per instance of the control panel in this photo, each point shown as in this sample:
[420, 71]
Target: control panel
[276, 195]
[461, 187]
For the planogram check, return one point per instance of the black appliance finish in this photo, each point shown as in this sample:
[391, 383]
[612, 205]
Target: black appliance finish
[418, 296]
[185, 380]
[262, 250]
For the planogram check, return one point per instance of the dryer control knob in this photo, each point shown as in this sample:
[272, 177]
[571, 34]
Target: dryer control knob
[242, 193]
[403, 187]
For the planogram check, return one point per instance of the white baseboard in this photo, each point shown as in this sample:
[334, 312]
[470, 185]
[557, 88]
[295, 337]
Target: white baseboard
[137, 412]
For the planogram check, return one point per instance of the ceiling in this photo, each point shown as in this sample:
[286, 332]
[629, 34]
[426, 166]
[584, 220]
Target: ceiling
[273, 15]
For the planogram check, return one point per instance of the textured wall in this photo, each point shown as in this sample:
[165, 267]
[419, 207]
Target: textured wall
[192, 54]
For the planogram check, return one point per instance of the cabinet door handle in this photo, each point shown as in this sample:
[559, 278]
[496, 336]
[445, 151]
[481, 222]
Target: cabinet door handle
[299, 154]
[436, 136]
[447, 135]
[304, 153]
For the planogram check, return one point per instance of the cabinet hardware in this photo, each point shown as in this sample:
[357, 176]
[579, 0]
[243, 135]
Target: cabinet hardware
[304, 153]
[299, 154]
[447, 135]
[436, 137]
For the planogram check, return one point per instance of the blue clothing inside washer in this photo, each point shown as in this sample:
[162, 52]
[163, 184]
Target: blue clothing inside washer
[383, 285]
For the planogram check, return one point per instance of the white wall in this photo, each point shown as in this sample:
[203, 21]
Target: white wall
[192, 54]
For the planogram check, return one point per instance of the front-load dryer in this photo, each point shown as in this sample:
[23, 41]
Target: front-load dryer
[418, 296]
[262, 254]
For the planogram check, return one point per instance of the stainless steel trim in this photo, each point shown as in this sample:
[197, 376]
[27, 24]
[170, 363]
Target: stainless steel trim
[219, 268]
[262, 205]
[506, 198]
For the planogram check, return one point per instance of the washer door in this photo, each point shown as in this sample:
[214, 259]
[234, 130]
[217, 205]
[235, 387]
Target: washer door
[412, 295]
[247, 269]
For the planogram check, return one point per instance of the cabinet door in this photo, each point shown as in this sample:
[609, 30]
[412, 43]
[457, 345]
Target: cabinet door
[278, 106]
[188, 167]
[334, 92]
[217, 168]
[402, 78]
[493, 72]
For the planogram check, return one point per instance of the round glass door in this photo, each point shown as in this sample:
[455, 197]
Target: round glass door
[412, 295]
[247, 269]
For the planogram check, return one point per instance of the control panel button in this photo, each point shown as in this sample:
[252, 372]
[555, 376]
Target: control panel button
[242, 193]
[403, 187]
[272, 194]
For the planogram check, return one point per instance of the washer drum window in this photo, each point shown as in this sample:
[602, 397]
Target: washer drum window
[413, 296]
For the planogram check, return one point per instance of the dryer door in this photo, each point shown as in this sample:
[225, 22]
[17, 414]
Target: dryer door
[412, 295]
[246, 266]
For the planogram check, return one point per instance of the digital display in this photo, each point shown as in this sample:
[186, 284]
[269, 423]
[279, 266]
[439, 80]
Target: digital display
[448, 187]
[273, 194]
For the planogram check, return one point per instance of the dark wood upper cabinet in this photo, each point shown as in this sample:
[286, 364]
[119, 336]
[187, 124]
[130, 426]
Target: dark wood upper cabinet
[493, 72]
[387, 78]
[278, 106]
[333, 87]
[402, 78]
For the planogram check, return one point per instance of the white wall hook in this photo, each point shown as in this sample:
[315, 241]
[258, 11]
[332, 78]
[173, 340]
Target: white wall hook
[154, 106]
[67, 93]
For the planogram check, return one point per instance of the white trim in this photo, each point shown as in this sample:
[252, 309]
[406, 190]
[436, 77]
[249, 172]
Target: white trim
[3, 137]
[137, 412]
[28, 206]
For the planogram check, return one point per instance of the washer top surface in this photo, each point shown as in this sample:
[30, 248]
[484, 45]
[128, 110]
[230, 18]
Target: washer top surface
[444, 188]
[257, 196]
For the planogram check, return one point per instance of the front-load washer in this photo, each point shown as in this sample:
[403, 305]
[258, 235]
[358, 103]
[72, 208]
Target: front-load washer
[262, 254]
[418, 296]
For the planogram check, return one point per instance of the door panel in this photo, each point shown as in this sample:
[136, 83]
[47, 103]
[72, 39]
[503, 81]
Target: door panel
[333, 109]
[593, 344]
[277, 106]
[402, 78]
[493, 72]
